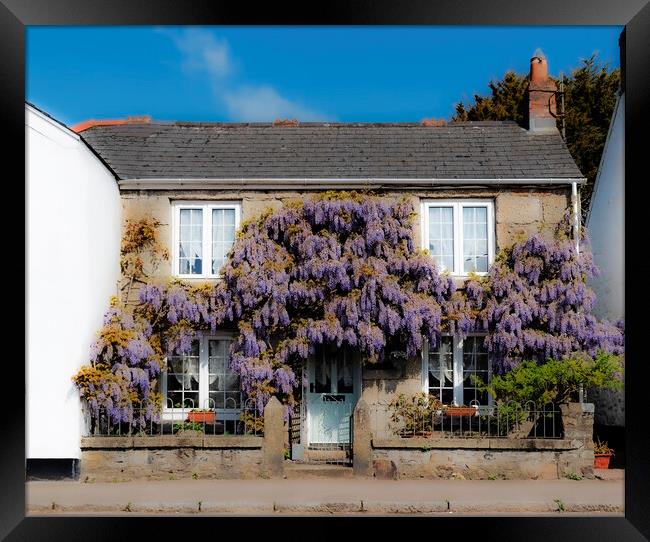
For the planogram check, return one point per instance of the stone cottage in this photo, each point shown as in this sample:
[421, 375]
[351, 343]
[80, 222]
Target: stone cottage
[477, 185]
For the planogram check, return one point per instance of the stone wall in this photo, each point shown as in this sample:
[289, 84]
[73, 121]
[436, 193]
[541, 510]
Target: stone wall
[518, 211]
[168, 457]
[113, 459]
[480, 458]
[381, 385]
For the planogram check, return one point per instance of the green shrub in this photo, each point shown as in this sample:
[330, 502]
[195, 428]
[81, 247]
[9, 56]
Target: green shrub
[556, 381]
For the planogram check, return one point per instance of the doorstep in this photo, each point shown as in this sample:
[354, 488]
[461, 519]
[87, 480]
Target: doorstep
[295, 470]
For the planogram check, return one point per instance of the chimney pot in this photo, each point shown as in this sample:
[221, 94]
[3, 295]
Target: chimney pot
[538, 69]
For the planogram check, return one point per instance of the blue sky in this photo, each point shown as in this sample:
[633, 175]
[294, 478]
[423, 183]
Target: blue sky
[365, 74]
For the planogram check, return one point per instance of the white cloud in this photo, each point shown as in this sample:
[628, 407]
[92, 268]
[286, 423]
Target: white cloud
[204, 52]
[263, 103]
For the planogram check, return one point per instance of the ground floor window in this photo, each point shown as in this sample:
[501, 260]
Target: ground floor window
[447, 369]
[202, 378]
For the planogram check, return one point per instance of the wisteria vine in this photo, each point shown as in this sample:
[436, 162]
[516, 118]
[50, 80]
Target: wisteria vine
[341, 268]
[536, 304]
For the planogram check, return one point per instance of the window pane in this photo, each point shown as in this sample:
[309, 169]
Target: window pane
[197, 266]
[223, 382]
[447, 396]
[191, 382]
[344, 375]
[441, 236]
[174, 381]
[447, 263]
[217, 348]
[231, 382]
[448, 247]
[468, 230]
[190, 235]
[475, 235]
[475, 363]
[183, 379]
[223, 236]
[174, 399]
[323, 380]
[215, 382]
[217, 400]
[191, 400]
[441, 369]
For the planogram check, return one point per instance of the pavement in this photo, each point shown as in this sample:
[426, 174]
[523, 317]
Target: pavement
[353, 496]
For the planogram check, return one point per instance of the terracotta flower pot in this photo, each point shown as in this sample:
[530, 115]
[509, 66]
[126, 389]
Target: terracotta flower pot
[601, 461]
[200, 417]
[460, 411]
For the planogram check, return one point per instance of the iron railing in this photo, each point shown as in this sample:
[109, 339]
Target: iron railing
[235, 418]
[508, 420]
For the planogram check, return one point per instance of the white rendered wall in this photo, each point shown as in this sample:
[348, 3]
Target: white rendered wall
[73, 239]
[605, 223]
[606, 231]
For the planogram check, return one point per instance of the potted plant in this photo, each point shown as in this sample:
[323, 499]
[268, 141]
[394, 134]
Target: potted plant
[602, 454]
[413, 416]
[197, 415]
[459, 410]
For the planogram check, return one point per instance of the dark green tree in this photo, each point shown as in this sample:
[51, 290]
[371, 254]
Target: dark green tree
[590, 95]
[507, 101]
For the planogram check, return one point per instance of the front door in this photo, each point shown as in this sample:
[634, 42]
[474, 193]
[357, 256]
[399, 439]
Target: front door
[334, 379]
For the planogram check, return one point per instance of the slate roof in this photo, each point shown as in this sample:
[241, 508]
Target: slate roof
[469, 150]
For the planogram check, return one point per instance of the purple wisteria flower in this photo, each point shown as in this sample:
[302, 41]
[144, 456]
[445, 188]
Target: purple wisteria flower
[342, 269]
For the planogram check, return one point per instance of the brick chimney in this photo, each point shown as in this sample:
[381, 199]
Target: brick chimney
[541, 96]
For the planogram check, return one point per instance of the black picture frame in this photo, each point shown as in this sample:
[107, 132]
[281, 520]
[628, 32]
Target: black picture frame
[635, 64]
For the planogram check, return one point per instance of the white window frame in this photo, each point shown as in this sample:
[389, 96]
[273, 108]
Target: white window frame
[458, 205]
[458, 343]
[207, 208]
[175, 414]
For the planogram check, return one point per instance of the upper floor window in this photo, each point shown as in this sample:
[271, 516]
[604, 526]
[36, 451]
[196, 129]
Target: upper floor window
[203, 235]
[459, 234]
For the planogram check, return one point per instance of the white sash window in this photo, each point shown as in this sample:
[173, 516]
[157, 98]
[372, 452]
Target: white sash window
[203, 235]
[459, 234]
[202, 378]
